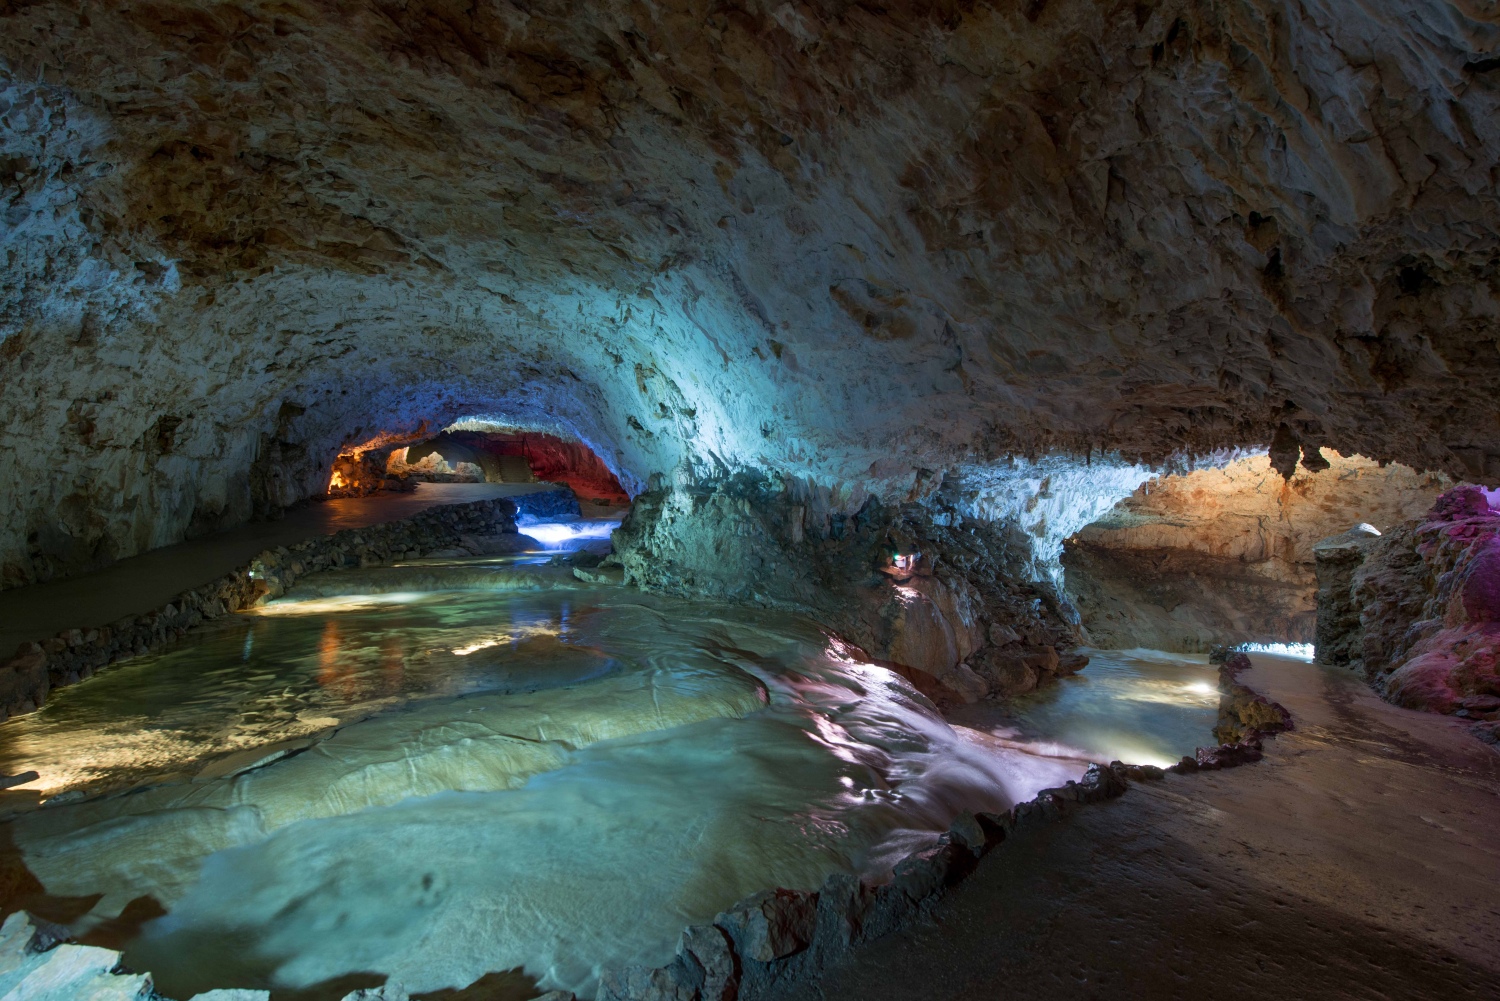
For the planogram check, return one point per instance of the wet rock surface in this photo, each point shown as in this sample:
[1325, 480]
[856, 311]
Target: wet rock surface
[784, 943]
[944, 598]
[37, 965]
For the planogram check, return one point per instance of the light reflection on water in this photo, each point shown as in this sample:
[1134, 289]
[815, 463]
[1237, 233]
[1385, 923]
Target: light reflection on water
[1144, 707]
[567, 534]
[542, 774]
[293, 669]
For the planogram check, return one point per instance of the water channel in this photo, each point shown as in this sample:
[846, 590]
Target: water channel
[444, 770]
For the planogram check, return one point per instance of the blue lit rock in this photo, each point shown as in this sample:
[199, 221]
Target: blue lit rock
[36, 968]
[823, 242]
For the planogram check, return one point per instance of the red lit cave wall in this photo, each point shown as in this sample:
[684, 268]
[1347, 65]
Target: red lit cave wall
[530, 456]
[568, 462]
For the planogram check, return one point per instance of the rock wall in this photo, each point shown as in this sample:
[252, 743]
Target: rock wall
[958, 614]
[1226, 555]
[37, 668]
[862, 244]
[1417, 611]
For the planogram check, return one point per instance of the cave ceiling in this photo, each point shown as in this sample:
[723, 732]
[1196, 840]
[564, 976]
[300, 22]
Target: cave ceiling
[838, 240]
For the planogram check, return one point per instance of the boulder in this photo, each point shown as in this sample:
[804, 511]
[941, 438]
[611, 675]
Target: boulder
[709, 947]
[1018, 668]
[771, 924]
[679, 980]
[1480, 594]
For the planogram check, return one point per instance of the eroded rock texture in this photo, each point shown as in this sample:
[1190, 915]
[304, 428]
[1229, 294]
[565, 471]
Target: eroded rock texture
[1417, 610]
[941, 597]
[822, 239]
[1226, 554]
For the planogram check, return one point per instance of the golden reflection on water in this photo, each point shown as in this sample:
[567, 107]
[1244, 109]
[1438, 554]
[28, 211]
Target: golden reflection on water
[290, 669]
[1144, 707]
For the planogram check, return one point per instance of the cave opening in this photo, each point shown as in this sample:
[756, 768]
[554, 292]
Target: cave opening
[400, 462]
[1224, 554]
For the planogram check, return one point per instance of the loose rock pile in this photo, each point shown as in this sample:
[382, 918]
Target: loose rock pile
[37, 668]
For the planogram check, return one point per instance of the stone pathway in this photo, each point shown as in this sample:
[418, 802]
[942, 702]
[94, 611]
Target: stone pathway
[142, 583]
[1360, 859]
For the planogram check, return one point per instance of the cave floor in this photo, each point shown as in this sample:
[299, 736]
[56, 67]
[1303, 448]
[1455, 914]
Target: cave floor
[141, 583]
[1360, 859]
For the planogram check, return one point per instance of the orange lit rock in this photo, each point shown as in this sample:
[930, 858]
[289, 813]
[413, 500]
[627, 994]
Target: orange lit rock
[1225, 555]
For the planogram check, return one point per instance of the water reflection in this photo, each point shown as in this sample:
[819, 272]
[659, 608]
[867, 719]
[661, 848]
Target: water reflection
[1141, 706]
[301, 666]
[517, 771]
[556, 780]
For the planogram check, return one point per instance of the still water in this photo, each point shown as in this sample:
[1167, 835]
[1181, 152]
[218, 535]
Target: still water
[1145, 707]
[440, 770]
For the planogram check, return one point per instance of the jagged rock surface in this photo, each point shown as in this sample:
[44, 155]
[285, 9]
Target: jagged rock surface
[37, 963]
[865, 242]
[1427, 597]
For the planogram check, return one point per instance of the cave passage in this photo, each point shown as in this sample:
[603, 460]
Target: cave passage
[1224, 555]
[641, 502]
[458, 455]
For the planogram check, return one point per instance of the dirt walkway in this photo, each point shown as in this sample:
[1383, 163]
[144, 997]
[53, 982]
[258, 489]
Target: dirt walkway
[1361, 859]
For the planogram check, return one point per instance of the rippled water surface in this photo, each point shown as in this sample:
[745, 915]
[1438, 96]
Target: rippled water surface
[442, 770]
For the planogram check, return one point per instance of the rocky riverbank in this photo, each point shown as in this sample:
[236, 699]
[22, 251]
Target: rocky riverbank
[778, 939]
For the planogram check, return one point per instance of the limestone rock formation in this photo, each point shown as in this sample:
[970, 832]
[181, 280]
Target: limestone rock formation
[39, 964]
[1226, 554]
[509, 456]
[1417, 610]
[863, 244]
[945, 599]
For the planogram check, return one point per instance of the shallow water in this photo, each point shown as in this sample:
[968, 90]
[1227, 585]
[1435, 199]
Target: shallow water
[1145, 707]
[440, 770]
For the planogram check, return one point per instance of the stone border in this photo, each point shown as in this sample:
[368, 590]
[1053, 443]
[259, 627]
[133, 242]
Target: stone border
[777, 938]
[76, 654]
